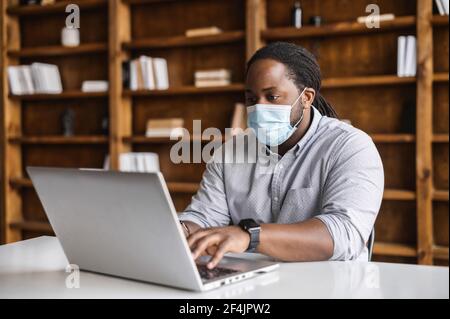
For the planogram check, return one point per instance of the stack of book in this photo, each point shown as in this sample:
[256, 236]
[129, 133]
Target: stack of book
[146, 73]
[406, 56]
[202, 32]
[35, 78]
[172, 127]
[135, 162]
[443, 7]
[209, 78]
[94, 86]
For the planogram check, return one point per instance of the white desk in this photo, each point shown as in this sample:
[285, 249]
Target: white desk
[36, 269]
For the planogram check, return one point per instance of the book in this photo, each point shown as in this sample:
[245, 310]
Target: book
[212, 74]
[172, 127]
[94, 86]
[126, 74]
[46, 78]
[440, 7]
[133, 75]
[161, 73]
[212, 83]
[401, 50]
[199, 32]
[139, 162]
[381, 18]
[15, 85]
[445, 4]
[148, 75]
[410, 60]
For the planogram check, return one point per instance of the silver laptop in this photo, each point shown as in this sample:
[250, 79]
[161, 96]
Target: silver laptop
[125, 224]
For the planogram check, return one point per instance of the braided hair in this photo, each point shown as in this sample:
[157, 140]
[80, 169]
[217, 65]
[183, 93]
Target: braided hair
[302, 68]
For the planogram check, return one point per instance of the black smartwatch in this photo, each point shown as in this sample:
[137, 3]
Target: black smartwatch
[253, 228]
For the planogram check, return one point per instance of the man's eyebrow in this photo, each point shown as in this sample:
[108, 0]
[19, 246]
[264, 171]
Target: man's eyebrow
[264, 90]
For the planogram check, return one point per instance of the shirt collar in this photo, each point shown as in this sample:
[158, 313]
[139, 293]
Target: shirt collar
[311, 130]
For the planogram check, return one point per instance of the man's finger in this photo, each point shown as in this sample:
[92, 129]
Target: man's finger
[204, 243]
[220, 252]
[197, 236]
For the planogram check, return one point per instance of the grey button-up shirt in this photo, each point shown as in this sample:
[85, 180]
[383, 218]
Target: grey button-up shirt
[334, 174]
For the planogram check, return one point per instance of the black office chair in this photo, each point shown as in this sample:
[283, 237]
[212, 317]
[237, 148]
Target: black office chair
[370, 243]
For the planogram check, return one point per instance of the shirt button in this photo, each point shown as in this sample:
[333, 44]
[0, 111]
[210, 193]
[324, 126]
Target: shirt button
[276, 199]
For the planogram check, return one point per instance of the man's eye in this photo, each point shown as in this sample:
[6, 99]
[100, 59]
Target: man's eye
[273, 97]
[250, 100]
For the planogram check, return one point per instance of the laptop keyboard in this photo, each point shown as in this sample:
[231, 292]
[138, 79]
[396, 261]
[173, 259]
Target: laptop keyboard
[217, 272]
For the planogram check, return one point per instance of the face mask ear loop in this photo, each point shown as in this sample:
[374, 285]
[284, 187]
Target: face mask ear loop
[303, 109]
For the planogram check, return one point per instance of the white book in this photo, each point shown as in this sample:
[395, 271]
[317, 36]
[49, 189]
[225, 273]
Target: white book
[212, 83]
[14, 82]
[213, 74]
[94, 86]
[125, 164]
[440, 6]
[140, 162]
[47, 78]
[410, 63]
[401, 55]
[151, 162]
[161, 73]
[147, 72]
[26, 73]
[165, 132]
[133, 76]
[445, 4]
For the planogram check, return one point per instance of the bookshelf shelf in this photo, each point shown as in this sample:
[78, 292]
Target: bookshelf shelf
[187, 90]
[183, 41]
[137, 2]
[161, 140]
[58, 50]
[58, 7]
[67, 95]
[174, 187]
[440, 77]
[182, 188]
[438, 20]
[441, 195]
[441, 138]
[393, 138]
[392, 249]
[440, 252]
[335, 29]
[59, 140]
[397, 194]
[33, 226]
[359, 81]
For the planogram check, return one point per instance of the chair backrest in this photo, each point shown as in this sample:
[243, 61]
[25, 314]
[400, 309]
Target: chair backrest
[370, 243]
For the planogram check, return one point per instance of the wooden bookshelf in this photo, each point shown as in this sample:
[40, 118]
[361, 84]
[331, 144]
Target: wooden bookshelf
[336, 29]
[359, 79]
[187, 90]
[58, 7]
[183, 41]
[56, 50]
[67, 95]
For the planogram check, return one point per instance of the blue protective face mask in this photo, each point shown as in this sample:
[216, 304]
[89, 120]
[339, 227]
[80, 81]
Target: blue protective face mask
[272, 122]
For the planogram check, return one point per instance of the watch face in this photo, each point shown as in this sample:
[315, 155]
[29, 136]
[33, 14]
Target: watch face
[249, 223]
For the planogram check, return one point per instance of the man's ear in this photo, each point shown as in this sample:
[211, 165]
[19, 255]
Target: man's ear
[308, 98]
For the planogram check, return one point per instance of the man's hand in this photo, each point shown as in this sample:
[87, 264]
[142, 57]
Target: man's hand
[216, 242]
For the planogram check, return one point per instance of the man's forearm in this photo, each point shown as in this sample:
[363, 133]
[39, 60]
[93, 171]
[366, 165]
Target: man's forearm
[305, 241]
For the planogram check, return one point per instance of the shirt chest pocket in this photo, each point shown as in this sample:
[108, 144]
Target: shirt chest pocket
[299, 204]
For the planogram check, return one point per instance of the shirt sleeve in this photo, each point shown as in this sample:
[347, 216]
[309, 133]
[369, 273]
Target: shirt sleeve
[352, 194]
[209, 207]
